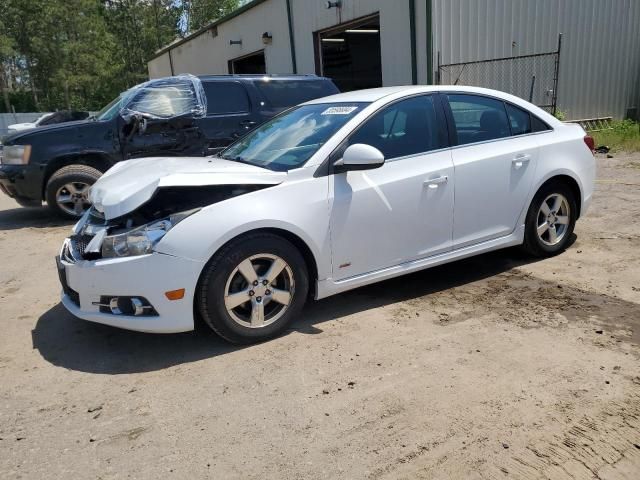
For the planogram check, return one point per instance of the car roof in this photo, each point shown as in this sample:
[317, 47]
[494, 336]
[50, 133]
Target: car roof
[375, 94]
[261, 77]
[372, 95]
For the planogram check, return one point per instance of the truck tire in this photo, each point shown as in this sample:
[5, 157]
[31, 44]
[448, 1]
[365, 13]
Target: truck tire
[68, 188]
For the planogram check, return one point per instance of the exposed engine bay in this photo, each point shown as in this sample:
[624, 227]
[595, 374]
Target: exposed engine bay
[163, 210]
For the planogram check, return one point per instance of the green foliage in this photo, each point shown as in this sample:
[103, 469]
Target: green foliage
[202, 12]
[560, 115]
[623, 136]
[80, 54]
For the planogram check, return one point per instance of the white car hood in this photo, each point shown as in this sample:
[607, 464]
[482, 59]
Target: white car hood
[129, 184]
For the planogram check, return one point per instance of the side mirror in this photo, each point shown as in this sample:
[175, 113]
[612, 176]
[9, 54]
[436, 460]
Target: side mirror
[359, 157]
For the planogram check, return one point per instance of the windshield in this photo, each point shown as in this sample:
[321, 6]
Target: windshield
[290, 139]
[110, 111]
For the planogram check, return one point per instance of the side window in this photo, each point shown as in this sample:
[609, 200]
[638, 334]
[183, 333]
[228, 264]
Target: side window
[538, 125]
[520, 120]
[164, 102]
[404, 128]
[225, 97]
[478, 118]
[286, 93]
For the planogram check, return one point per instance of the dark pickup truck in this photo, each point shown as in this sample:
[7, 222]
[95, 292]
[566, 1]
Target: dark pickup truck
[174, 116]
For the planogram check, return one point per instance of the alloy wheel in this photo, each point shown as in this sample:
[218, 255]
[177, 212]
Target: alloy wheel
[553, 219]
[73, 198]
[259, 290]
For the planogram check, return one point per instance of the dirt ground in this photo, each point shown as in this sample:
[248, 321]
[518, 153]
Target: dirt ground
[494, 367]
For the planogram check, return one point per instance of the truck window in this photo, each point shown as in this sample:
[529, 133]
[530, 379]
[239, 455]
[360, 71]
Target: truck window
[286, 93]
[225, 97]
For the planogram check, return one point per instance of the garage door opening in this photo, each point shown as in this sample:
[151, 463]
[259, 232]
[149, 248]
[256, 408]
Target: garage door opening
[350, 54]
[252, 63]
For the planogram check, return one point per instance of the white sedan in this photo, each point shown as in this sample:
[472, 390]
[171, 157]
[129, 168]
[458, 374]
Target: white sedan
[331, 195]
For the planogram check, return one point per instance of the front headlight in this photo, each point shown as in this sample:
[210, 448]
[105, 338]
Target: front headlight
[141, 240]
[15, 154]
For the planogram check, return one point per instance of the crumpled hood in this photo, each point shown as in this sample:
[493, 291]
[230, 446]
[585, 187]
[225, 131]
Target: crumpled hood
[131, 183]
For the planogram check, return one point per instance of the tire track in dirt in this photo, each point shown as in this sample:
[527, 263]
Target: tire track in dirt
[604, 446]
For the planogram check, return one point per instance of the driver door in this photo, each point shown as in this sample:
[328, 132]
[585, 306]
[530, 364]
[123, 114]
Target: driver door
[159, 121]
[402, 211]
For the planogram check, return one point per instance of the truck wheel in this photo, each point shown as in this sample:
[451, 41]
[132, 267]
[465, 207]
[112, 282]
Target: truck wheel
[67, 191]
[252, 289]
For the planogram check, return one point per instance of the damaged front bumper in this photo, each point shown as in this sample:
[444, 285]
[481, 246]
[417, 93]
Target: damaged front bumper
[86, 284]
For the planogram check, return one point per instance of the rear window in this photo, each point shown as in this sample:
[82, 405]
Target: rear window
[225, 97]
[286, 93]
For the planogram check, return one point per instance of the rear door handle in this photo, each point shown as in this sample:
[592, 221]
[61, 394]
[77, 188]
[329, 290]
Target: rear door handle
[520, 161]
[434, 182]
[247, 123]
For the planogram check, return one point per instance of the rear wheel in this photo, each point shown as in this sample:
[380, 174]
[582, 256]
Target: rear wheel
[67, 191]
[253, 288]
[550, 220]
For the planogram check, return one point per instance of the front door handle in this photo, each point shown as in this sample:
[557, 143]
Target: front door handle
[247, 124]
[520, 161]
[434, 182]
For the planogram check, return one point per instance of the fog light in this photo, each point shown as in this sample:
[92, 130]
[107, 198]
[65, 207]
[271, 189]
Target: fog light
[134, 306]
[138, 306]
[113, 306]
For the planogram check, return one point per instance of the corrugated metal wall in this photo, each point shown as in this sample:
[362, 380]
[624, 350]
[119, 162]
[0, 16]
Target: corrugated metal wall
[600, 60]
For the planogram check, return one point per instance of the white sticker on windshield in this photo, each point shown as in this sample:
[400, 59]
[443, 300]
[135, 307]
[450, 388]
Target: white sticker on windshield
[339, 110]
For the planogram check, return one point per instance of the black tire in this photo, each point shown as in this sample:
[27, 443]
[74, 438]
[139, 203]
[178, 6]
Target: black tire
[71, 174]
[210, 294]
[533, 244]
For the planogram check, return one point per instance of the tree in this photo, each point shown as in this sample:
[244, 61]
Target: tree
[6, 53]
[199, 13]
[80, 53]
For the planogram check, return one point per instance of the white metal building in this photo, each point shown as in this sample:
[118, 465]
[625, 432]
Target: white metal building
[367, 43]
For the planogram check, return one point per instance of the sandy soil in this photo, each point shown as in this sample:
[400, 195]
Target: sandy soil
[494, 367]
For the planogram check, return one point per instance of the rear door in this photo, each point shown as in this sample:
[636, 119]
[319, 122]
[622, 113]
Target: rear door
[230, 113]
[495, 160]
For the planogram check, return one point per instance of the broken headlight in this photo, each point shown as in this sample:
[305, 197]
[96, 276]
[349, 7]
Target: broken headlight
[141, 240]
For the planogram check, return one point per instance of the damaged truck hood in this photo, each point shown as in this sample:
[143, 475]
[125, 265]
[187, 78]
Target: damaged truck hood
[129, 184]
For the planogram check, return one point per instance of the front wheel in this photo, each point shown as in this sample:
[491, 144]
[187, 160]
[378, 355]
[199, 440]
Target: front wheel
[550, 220]
[67, 192]
[253, 288]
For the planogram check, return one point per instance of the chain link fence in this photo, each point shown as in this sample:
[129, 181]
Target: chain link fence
[531, 77]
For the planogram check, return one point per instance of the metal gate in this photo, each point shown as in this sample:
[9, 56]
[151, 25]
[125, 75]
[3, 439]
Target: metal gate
[531, 77]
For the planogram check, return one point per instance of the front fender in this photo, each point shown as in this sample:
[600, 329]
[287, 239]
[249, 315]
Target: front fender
[299, 208]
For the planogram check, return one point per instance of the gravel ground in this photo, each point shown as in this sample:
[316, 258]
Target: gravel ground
[499, 366]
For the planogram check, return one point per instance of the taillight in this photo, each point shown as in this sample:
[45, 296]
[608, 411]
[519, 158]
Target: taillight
[590, 142]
